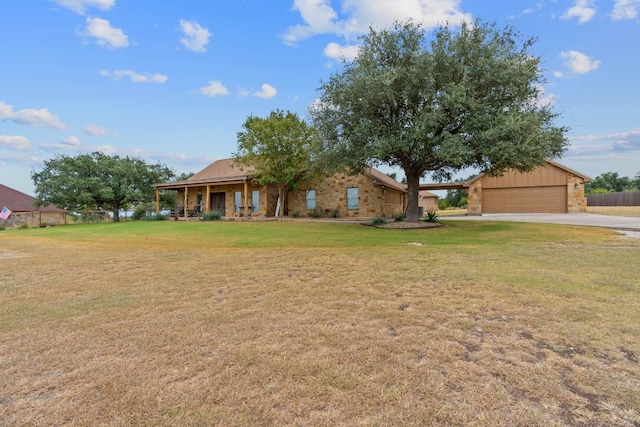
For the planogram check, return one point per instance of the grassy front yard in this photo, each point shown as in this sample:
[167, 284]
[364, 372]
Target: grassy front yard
[284, 323]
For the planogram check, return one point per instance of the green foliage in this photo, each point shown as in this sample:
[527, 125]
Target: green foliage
[2, 227]
[431, 216]
[276, 150]
[335, 213]
[467, 98]
[97, 181]
[399, 217]
[378, 221]
[154, 217]
[316, 213]
[296, 214]
[612, 182]
[211, 216]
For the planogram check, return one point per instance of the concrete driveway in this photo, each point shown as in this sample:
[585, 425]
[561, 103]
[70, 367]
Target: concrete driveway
[630, 226]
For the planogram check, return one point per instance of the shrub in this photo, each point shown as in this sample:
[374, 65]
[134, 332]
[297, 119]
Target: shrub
[316, 213]
[378, 221]
[1, 226]
[399, 217]
[296, 214]
[431, 216]
[139, 213]
[335, 213]
[211, 216]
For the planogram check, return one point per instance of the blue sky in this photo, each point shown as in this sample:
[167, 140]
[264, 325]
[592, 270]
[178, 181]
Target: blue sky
[173, 81]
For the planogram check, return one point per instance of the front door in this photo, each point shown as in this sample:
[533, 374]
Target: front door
[217, 203]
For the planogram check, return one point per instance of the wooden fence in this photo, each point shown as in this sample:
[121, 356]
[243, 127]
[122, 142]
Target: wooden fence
[625, 198]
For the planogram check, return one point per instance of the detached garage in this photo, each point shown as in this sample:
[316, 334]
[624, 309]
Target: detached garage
[551, 188]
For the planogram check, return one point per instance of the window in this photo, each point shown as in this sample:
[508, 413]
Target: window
[255, 201]
[311, 199]
[352, 198]
[199, 202]
[237, 201]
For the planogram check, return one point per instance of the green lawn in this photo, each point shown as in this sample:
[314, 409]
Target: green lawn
[319, 323]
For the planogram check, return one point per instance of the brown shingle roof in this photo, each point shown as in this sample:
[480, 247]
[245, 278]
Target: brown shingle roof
[220, 171]
[226, 171]
[17, 201]
[385, 179]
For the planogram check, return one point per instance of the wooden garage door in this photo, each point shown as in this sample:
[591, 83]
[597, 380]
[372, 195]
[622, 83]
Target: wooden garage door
[525, 200]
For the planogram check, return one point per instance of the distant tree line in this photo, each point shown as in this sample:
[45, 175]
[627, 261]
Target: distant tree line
[611, 182]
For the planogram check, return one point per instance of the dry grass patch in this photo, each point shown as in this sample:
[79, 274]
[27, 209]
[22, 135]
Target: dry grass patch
[632, 211]
[334, 324]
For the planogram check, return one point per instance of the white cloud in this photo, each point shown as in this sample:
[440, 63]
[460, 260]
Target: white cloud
[19, 143]
[611, 143]
[578, 62]
[30, 117]
[135, 77]
[196, 37]
[336, 51]
[358, 15]
[625, 9]
[267, 92]
[80, 6]
[72, 141]
[214, 88]
[95, 130]
[582, 9]
[544, 98]
[105, 34]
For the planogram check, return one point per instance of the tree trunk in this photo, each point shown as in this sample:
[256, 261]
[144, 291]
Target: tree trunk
[413, 187]
[280, 204]
[116, 214]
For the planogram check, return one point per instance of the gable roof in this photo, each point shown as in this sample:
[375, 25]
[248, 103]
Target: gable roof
[380, 178]
[18, 201]
[427, 194]
[552, 163]
[225, 171]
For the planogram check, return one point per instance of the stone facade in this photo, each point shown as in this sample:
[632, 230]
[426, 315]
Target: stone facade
[576, 200]
[474, 199]
[373, 199]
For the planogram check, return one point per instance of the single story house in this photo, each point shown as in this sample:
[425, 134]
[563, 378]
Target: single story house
[427, 201]
[550, 188]
[25, 211]
[224, 187]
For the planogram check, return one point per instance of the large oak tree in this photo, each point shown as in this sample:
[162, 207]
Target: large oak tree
[437, 104]
[97, 181]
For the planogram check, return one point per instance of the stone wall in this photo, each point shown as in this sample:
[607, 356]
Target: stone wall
[331, 197]
[474, 199]
[576, 200]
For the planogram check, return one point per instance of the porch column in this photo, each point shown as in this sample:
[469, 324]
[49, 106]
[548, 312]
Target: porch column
[157, 201]
[246, 189]
[186, 200]
[207, 200]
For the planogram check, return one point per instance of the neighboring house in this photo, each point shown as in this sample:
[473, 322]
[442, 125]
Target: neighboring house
[224, 187]
[25, 211]
[551, 188]
[427, 201]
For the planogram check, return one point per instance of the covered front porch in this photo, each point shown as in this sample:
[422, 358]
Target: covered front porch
[229, 199]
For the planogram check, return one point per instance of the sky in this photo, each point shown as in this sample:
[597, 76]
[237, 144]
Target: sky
[173, 81]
